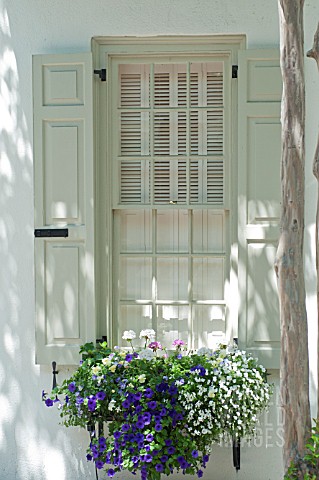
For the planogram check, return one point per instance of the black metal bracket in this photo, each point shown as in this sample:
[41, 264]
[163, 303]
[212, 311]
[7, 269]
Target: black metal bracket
[102, 339]
[234, 71]
[51, 232]
[101, 73]
[236, 453]
[55, 372]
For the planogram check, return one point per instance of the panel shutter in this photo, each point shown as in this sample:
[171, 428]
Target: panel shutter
[63, 152]
[259, 147]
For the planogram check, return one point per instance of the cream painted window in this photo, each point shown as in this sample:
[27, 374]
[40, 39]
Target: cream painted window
[169, 157]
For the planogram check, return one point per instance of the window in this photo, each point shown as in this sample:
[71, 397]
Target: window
[169, 162]
[154, 206]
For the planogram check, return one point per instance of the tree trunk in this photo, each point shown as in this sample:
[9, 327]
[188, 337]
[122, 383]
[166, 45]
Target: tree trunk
[314, 53]
[294, 368]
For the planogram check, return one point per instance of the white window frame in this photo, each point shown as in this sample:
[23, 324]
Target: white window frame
[104, 49]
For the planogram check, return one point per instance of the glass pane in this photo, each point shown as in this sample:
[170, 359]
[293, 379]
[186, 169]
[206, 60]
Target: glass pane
[135, 230]
[208, 279]
[172, 279]
[133, 317]
[209, 325]
[134, 80]
[135, 278]
[172, 324]
[172, 231]
[208, 231]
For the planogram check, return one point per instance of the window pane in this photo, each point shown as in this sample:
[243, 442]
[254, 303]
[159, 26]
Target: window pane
[135, 230]
[133, 317]
[172, 231]
[209, 325]
[208, 279]
[208, 231]
[135, 278]
[172, 323]
[172, 279]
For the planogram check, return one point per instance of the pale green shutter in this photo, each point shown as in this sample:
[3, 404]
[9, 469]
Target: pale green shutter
[63, 163]
[259, 142]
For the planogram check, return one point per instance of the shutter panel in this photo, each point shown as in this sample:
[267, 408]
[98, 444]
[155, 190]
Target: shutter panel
[63, 150]
[259, 156]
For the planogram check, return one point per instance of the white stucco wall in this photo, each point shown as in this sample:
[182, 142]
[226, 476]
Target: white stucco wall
[32, 445]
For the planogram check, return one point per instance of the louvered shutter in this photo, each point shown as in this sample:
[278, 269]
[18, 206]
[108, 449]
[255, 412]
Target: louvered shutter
[259, 142]
[63, 157]
[171, 140]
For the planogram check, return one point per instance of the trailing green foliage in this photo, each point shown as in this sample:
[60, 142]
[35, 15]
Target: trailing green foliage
[311, 459]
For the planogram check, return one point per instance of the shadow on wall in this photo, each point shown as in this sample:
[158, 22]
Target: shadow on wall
[32, 445]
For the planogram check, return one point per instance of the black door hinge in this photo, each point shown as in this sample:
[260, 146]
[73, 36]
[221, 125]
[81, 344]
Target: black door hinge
[101, 73]
[234, 71]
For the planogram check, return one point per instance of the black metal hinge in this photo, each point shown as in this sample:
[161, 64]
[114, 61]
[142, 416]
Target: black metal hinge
[101, 73]
[234, 71]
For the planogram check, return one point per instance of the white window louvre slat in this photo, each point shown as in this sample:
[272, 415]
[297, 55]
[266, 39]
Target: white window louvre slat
[135, 182]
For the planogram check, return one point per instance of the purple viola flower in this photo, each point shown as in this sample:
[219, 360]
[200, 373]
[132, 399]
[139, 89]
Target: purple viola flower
[147, 418]
[138, 396]
[89, 457]
[110, 472]
[172, 389]
[72, 387]
[126, 404]
[139, 437]
[194, 453]
[171, 450]
[158, 427]
[180, 459]
[159, 467]
[101, 395]
[205, 458]
[99, 464]
[152, 404]
[125, 427]
[148, 393]
[149, 437]
[79, 400]
[48, 402]
[168, 442]
[140, 424]
[163, 412]
[200, 473]
[117, 435]
[164, 458]
[66, 399]
[129, 357]
[148, 458]
[92, 404]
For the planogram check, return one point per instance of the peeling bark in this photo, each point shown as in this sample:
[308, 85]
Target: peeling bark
[294, 367]
[314, 53]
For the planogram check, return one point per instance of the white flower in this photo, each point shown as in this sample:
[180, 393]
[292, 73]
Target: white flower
[96, 370]
[111, 405]
[106, 361]
[148, 333]
[142, 378]
[146, 354]
[129, 335]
